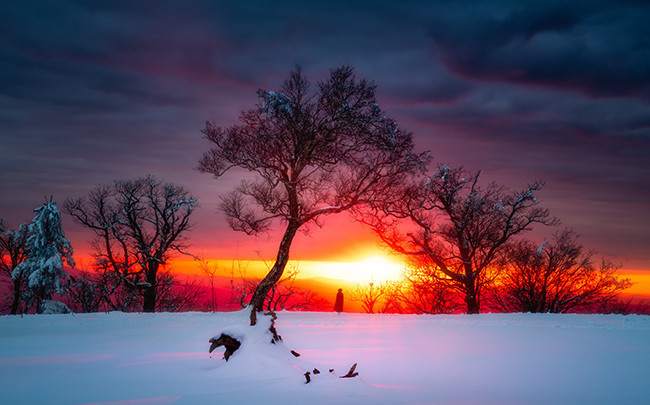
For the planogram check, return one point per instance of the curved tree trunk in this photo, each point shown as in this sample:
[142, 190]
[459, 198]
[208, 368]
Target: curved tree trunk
[262, 290]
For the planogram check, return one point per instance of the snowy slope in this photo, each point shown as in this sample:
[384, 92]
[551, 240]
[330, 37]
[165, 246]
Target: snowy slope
[407, 359]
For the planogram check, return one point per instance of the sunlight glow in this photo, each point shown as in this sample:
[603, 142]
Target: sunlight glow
[374, 268]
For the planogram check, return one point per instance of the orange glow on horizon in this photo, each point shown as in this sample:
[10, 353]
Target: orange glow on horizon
[640, 280]
[374, 266]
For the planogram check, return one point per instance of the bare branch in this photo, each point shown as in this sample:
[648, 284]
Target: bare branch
[315, 152]
[456, 224]
[137, 225]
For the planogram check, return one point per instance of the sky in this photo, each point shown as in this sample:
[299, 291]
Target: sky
[95, 91]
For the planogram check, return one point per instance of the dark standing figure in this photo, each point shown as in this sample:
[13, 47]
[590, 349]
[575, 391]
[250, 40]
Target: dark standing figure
[338, 304]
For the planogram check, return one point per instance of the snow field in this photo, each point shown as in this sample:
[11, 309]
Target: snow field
[131, 359]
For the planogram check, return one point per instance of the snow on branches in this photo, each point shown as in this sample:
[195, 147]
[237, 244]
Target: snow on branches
[47, 250]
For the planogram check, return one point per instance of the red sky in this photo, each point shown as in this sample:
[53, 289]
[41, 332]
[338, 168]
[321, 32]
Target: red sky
[94, 92]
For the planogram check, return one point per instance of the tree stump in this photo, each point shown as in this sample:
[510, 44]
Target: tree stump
[231, 344]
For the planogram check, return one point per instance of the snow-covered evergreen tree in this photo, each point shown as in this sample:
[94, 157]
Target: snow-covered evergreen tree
[47, 249]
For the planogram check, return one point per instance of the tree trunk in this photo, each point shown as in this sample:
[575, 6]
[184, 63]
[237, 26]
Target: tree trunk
[262, 290]
[150, 292]
[472, 304]
[16, 300]
[149, 300]
[39, 298]
[471, 299]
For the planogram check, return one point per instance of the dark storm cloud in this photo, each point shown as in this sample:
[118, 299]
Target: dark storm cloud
[92, 91]
[599, 48]
[105, 85]
[599, 147]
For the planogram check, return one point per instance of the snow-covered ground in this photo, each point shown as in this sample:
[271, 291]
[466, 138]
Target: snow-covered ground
[402, 359]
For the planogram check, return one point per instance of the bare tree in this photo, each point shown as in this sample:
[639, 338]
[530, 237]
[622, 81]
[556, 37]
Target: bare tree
[557, 277]
[284, 295]
[424, 290]
[314, 153]
[458, 227]
[620, 306]
[242, 292]
[287, 295]
[13, 251]
[137, 224]
[369, 295]
[85, 293]
[178, 296]
[210, 271]
[392, 302]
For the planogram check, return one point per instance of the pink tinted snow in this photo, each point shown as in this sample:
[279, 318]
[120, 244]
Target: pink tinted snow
[52, 359]
[406, 359]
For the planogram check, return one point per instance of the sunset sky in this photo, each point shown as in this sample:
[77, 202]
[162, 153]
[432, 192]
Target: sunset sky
[94, 91]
